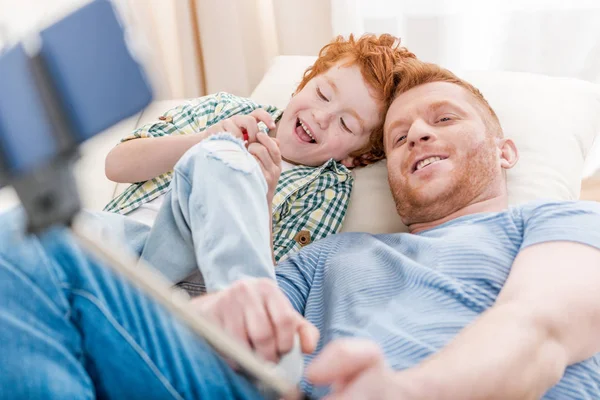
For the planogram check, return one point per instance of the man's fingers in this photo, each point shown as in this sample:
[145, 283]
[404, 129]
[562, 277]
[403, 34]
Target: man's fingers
[309, 337]
[285, 320]
[343, 359]
[257, 322]
[261, 115]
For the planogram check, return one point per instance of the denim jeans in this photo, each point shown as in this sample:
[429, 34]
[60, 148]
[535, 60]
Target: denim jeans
[72, 329]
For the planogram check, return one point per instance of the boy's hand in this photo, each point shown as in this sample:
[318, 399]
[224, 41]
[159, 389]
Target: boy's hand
[267, 153]
[239, 123]
[258, 314]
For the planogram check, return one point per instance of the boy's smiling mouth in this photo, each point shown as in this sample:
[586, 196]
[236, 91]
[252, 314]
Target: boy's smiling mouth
[304, 132]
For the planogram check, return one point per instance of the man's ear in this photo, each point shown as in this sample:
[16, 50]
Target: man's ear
[509, 155]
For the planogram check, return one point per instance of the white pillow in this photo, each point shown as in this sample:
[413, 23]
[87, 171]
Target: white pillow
[553, 121]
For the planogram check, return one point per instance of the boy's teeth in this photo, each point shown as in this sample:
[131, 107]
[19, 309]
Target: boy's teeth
[427, 161]
[307, 130]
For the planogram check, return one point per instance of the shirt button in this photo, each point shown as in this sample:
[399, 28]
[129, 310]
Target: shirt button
[167, 119]
[303, 238]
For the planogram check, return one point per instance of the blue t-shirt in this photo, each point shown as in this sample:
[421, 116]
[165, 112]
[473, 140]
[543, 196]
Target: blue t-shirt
[413, 293]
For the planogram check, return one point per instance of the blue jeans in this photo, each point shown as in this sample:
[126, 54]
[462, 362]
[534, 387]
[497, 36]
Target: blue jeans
[72, 329]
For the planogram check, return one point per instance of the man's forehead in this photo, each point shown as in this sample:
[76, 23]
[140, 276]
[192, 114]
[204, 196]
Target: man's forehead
[421, 98]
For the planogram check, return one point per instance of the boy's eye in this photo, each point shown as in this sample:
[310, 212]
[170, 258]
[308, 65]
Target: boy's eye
[444, 119]
[344, 126]
[321, 95]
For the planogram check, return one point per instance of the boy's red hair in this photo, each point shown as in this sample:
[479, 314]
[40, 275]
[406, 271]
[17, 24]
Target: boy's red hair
[377, 57]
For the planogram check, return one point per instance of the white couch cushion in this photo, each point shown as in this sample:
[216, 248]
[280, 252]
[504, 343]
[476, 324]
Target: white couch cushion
[553, 121]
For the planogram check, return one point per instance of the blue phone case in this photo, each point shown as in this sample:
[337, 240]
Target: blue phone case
[95, 77]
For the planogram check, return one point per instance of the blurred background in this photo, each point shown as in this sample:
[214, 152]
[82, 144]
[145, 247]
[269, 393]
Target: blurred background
[204, 46]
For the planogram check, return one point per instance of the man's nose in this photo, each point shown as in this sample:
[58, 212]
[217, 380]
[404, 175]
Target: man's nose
[322, 118]
[419, 133]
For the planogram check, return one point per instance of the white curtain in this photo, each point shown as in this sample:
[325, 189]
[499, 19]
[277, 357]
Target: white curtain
[554, 37]
[195, 47]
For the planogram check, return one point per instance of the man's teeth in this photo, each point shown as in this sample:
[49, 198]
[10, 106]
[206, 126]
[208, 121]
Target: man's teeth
[427, 161]
[308, 132]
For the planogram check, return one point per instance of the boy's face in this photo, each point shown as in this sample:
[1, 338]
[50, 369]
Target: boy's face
[331, 117]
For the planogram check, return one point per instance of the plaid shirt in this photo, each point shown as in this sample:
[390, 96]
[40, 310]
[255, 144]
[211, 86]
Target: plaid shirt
[309, 203]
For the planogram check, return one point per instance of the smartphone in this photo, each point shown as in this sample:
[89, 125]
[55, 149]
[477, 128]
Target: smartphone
[75, 79]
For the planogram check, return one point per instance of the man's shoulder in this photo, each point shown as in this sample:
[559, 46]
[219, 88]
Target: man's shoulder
[550, 207]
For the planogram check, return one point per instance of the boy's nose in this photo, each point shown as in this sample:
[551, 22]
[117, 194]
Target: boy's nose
[322, 118]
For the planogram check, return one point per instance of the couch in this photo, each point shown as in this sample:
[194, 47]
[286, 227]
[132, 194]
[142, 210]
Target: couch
[554, 122]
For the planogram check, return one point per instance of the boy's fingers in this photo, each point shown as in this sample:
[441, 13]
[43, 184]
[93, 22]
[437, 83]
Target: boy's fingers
[249, 124]
[231, 127]
[271, 146]
[261, 153]
[261, 115]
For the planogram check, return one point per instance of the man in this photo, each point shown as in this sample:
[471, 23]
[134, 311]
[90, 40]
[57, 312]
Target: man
[478, 301]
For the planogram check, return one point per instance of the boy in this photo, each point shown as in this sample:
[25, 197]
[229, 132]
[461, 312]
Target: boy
[333, 122]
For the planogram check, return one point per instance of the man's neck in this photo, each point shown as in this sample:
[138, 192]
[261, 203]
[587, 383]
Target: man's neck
[494, 204]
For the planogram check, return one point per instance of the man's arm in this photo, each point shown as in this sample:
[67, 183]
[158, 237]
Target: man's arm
[546, 318]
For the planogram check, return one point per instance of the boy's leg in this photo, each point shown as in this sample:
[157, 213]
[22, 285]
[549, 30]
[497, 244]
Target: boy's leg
[72, 329]
[215, 217]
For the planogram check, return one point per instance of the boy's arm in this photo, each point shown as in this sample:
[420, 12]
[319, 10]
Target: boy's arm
[141, 160]
[172, 135]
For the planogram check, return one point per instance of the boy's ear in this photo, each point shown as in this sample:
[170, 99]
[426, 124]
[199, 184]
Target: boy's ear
[348, 162]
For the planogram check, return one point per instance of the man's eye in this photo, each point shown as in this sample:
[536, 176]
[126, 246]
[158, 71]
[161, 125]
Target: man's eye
[344, 126]
[401, 139]
[445, 119]
[321, 95]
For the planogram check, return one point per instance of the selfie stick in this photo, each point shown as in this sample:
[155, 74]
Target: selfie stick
[41, 172]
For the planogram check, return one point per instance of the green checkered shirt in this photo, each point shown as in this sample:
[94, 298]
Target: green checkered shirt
[309, 203]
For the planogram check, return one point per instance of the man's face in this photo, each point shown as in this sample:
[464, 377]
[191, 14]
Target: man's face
[440, 156]
[331, 117]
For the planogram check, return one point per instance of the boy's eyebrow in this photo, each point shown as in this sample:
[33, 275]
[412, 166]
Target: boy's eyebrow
[361, 122]
[332, 84]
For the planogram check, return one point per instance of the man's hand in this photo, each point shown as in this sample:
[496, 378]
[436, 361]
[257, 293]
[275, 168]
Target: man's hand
[239, 123]
[356, 369]
[267, 153]
[258, 314]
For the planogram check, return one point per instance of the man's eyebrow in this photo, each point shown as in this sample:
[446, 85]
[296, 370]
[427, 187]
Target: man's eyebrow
[397, 123]
[444, 103]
